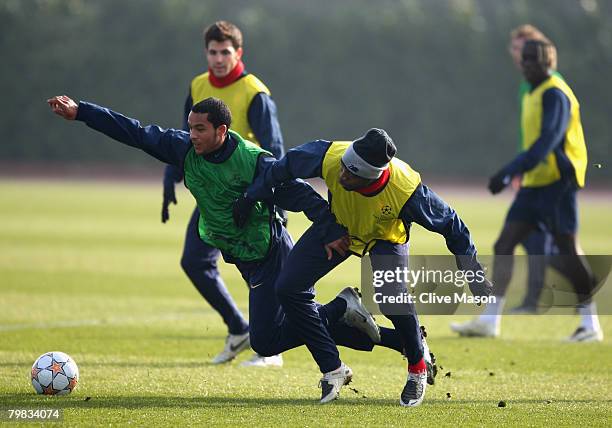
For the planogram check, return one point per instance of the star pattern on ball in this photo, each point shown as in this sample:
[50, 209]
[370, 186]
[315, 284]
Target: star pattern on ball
[48, 390]
[57, 368]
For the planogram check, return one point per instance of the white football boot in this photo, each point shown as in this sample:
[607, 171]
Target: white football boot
[583, 334]
[476, 328]
[331, 382]
[430, 359]
[414, 390]
[356, 315]
[234, 344]
[260, 361]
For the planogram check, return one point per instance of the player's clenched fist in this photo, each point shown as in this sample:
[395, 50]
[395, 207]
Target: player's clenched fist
[64, 106]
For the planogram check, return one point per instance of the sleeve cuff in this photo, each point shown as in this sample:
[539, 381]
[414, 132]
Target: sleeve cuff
[82, 111]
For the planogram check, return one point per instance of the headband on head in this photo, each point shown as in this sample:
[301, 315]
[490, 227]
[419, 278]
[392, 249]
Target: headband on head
[358, 166]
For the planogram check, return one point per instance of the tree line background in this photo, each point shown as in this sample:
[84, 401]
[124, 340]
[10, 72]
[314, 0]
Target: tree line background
[436, 74]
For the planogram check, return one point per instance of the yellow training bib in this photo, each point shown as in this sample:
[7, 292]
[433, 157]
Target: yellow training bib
[369, 218]
[238, 96]
[574, 147]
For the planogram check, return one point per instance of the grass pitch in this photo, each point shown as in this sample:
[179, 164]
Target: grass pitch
[88, 269]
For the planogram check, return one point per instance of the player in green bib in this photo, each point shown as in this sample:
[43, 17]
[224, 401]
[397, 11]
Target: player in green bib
[254, 116]
[218, 165]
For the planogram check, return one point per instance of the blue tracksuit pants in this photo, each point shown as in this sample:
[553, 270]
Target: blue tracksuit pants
[305, 265]
[271, 331]
[199, 261]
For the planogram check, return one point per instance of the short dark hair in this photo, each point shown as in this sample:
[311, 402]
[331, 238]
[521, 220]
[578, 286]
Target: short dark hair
[218, 112]
[544, 50]
[221, 31]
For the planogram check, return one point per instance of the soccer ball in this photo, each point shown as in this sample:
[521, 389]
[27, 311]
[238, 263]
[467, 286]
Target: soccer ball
[54, 373]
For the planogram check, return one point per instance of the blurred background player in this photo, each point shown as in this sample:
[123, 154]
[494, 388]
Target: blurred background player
[538, 243]
[255, 118]
[553, 166]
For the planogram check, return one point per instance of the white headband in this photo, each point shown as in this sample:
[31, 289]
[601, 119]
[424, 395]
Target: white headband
[355, 163]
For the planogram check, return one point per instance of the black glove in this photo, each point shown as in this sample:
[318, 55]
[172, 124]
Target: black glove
[169, 196]
[481, 288]
[241, 210]
[498, 182]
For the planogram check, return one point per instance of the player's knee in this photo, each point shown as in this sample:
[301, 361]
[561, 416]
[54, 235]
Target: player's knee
[261, 344]
[190, 264]
[566, 245]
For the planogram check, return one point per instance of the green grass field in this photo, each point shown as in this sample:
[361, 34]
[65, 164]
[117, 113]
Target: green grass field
[88, 269]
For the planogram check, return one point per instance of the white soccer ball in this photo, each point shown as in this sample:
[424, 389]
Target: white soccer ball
[54, 373]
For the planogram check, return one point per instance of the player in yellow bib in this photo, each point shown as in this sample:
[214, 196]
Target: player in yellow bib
[553, 166]
[375, 198]
[218, 165]
[539, 243]
[255, 119]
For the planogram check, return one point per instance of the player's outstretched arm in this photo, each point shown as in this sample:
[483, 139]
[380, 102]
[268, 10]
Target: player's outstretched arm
[174, 174]
[169, 146]
[304, 161]
[297, 196]
[292, 195]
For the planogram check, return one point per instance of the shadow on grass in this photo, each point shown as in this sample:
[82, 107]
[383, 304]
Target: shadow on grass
[24, 400]
[161, 364]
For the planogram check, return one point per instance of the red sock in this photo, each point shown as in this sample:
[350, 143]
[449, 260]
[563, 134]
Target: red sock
[418, 367]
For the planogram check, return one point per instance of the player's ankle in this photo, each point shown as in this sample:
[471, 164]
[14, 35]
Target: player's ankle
[419, 367]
